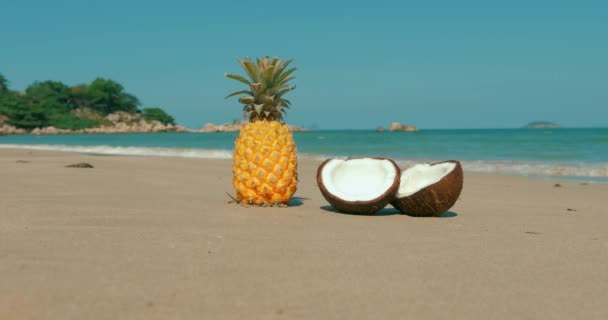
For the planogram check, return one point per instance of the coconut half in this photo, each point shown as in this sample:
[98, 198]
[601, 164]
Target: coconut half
[429, 189]
[359, 186]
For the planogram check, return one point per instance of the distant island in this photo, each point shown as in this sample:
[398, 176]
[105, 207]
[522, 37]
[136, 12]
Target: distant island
[541, 125]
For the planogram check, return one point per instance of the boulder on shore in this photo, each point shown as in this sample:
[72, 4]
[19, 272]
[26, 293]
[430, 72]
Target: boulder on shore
[6, 129]
[117, 122]
[122, 122]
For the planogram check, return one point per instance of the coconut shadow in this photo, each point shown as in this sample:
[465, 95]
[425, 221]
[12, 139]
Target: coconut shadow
[447, 214]
[388, 212]
[382, 212]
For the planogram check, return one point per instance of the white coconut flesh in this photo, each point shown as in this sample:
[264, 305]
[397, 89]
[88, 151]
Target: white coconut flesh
[421, 176]
[358, 179]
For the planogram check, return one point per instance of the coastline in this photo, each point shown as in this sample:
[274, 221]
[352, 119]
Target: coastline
[141, 126]
[154, 237]
[583, 172]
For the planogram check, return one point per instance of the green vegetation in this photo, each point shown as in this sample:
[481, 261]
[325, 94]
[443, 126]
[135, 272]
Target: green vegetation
[3, 84]
[159, 115]
[53, 103]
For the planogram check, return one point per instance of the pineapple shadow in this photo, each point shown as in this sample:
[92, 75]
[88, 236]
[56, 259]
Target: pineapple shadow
[388, 212]
[296, 201]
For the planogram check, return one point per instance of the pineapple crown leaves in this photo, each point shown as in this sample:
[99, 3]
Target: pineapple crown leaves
[267, 83]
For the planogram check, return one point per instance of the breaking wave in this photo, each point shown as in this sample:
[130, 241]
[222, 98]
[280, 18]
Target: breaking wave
[592, 171]
[130, 151]
[588, 170]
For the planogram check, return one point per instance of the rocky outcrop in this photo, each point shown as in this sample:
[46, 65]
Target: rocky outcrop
[234, 127]
[397, 126]
[122, 122]
[122, 116]
[50, 130]
[8, 129]
[118, 122]
[210, 127]
[141, 126]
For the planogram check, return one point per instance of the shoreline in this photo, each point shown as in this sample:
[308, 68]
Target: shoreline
[589, 172]
[155, 238]
[130, 127]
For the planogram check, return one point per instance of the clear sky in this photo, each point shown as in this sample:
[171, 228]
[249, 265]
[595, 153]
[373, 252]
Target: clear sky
[362, 64]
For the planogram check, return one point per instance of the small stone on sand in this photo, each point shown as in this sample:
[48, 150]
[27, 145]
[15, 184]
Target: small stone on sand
[80, 165]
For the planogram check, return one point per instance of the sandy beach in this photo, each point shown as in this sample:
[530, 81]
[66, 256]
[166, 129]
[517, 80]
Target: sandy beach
[155, 238]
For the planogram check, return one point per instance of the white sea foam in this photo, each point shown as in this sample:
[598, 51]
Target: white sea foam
[130, 151]
[580, 170]
[583, 170]
[598, 170]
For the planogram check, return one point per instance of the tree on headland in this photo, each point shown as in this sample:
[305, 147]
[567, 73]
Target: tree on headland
[107, 96]
[49, 103]
[158, 114]
[3, 83]
[50, 94]
[21, 114]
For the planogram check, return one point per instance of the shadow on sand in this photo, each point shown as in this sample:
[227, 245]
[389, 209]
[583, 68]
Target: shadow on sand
[297, 201]
[388, 212]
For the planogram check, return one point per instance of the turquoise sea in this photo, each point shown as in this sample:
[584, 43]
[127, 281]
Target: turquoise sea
[573, 153]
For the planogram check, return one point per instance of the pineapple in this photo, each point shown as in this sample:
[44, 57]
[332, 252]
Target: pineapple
[264, 162]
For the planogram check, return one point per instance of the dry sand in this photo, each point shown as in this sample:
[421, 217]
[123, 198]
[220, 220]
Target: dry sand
[153, 238]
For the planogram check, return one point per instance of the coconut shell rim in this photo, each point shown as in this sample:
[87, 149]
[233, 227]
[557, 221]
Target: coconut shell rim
[397, 202]
[382, 200]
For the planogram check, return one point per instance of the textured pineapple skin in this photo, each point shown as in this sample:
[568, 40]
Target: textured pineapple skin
[265, 164]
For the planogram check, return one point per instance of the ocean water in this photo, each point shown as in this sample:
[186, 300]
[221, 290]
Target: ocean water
[573, 153]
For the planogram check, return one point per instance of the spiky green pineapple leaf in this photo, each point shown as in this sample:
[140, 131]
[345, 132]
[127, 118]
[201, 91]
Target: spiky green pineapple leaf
[247, 100]
[250, 69]
[267, 83]
[237, 78]
[267, 77]
[236, 93]
[258, 108]
[286, 81]
[265, 99]
[283, 77]
[263, 63]
[284, 91]
[284, 66]
[255, 87]
[277, 65]
[274, 61]
[274, 90]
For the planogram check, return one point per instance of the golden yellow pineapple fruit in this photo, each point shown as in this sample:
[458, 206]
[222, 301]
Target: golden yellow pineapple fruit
[265, 159]
[265, 164]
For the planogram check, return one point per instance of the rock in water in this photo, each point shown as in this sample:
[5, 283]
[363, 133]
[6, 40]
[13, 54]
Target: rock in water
[397, 126]
[80, 165]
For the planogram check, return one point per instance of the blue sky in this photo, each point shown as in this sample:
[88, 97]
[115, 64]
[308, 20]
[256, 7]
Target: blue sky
[362, 64]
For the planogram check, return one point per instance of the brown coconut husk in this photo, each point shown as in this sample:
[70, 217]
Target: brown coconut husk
[369, 207]
[436, 198]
